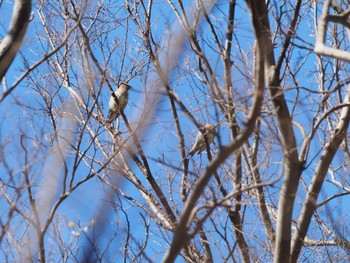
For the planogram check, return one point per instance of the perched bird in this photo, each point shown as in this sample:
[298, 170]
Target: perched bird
[122, 95]
[209, 131]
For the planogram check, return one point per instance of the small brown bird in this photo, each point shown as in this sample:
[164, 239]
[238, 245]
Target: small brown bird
[200, 140]
[122, 95]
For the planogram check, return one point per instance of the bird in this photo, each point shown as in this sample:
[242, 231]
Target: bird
[199, 145]
[122, 95]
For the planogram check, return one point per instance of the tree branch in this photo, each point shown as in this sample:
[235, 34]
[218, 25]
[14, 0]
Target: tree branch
[314, 189]
[10, 45]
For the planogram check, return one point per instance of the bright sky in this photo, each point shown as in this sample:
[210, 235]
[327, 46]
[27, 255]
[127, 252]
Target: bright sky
[78, 211]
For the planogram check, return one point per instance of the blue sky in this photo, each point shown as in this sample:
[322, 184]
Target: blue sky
[160, 142]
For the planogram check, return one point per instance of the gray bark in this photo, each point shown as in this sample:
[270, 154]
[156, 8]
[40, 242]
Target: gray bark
[10, 45]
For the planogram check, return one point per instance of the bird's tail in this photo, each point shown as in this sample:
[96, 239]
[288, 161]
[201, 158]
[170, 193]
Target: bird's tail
[192, 152]
[110, 117]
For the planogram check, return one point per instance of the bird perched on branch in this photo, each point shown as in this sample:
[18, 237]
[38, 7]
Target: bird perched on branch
[209, 132]
[122, 96]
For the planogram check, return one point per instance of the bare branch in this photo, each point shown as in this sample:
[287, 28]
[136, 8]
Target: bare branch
[10, 45]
